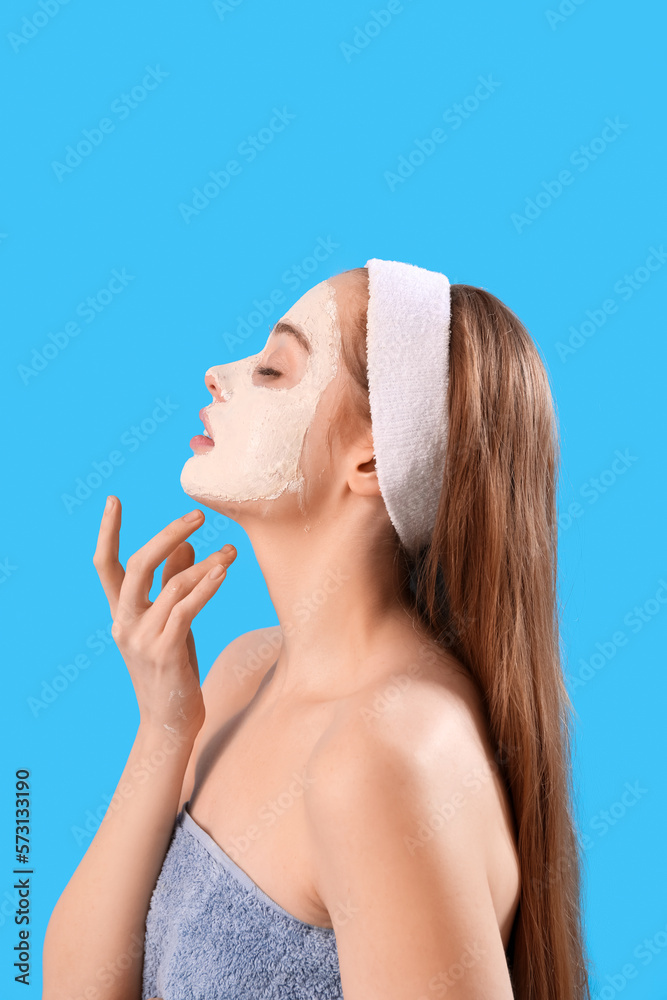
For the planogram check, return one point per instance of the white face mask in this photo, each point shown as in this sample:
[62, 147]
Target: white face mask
[258, 430]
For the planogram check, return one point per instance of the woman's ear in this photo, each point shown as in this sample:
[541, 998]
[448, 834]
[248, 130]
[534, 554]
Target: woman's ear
[362, 478]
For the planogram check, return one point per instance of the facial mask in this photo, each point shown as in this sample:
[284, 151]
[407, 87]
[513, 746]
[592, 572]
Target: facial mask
[258, 431]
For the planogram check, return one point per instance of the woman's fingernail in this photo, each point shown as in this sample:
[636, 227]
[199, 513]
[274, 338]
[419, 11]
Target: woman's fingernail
[109, 504]
[194, 515]
[227, 549]
[216, 573]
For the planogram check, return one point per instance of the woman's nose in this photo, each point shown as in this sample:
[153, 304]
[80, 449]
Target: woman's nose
[215, 383]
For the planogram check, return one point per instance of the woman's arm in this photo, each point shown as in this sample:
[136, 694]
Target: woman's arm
[93, 948]
[399, 836]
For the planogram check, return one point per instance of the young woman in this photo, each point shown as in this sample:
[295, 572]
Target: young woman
[371, 799]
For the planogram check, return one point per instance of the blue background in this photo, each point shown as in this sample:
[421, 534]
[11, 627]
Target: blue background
[326, 180]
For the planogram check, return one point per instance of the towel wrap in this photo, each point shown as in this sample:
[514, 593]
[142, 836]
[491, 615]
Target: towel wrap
[213, 934]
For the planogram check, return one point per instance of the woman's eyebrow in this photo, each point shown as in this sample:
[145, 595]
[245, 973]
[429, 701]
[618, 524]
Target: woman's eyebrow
[282, 326]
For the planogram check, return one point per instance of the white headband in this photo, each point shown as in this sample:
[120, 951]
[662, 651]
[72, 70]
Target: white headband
[408, 373]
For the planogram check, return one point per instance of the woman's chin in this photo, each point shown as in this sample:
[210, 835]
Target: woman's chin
[199, 481]
[208, 495]
[193, 485]
[215, 504]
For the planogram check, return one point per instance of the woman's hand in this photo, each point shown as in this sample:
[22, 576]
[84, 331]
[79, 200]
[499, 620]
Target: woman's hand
[155, 639]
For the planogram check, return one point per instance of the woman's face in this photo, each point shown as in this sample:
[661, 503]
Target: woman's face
[263, 406]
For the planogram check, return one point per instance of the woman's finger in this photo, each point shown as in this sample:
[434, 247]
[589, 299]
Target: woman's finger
[105, 558]
[180, 586]
[134, 598]
[182, 613]
[181, 558]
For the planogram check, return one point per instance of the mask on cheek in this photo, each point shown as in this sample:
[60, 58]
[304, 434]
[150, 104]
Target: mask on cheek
[258, 431]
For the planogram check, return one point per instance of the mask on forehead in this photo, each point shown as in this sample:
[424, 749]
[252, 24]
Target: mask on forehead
[258, 431]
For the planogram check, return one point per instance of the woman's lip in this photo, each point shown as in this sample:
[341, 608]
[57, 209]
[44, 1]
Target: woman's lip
[201, 444]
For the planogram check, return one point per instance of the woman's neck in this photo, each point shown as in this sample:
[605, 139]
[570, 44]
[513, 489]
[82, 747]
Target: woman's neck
[341, 608]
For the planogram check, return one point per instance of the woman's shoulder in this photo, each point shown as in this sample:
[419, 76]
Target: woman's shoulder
[419, 731]
[239, 669]
[408, 762]
[415, 744]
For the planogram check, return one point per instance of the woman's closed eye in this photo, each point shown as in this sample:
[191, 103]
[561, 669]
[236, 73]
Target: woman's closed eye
[271, 372]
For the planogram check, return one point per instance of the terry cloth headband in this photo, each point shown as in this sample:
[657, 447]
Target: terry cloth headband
[408, 373]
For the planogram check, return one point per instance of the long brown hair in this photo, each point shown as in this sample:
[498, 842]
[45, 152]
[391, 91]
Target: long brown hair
[486, 589]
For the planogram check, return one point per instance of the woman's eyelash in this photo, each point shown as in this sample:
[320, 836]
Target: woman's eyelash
[267, 371]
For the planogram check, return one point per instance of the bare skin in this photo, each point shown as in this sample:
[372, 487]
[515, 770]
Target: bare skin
[240, 787]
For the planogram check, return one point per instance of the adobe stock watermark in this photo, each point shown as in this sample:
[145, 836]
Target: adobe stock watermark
[249, 149]
[396, 686]
[648, 949]
[7, 569]
[110, 971]
[581, 158]
[302, 610]
[223, 7]
[292, 278]
[601, 823]
[604, 820]
[122, 107]
[67, 673]
[87, 310]
[563, 12]
[443, 981]
[597, 486]
[268, 815]
[130, 440]
[377, 21]
[635, 620]
[32, 25]
[625, 288]
[473, 782]
[211, 531]
[454, 116]
[141, 772]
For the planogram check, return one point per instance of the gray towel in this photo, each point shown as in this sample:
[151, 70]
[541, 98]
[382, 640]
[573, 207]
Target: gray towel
[213, 934]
